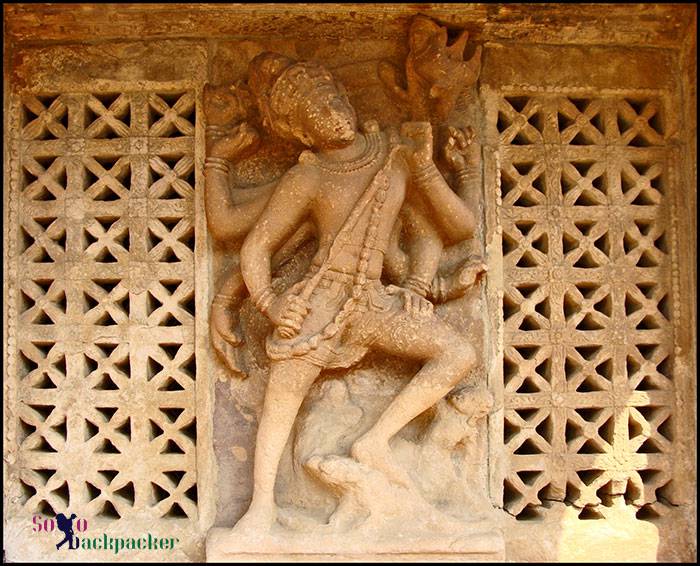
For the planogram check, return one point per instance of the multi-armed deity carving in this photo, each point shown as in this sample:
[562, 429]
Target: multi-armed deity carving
[342, 251]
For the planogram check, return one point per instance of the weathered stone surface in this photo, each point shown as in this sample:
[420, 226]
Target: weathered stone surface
[57, 68]
[124, 403]
[654, 25]
[516, 64]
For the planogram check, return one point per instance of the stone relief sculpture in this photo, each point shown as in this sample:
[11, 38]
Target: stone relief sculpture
[435, 73]
[377, 213]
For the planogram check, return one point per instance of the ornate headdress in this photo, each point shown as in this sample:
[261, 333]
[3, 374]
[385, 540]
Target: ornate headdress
[280, 85]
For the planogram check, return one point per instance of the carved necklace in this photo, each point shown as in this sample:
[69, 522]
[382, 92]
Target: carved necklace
[367, 157]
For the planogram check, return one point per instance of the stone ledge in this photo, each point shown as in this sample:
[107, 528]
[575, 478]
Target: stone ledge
[474, 546]
[656, 25]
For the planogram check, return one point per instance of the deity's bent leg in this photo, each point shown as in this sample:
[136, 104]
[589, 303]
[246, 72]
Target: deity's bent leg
[448, 358]
[289, 383]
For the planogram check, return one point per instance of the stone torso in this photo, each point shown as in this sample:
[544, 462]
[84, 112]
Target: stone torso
[341, 187]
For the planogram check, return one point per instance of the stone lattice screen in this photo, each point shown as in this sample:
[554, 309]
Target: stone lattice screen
[582, 206]
[100, 322]
[101, 315]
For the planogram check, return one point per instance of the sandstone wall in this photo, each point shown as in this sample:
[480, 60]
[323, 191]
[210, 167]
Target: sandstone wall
[115, 407]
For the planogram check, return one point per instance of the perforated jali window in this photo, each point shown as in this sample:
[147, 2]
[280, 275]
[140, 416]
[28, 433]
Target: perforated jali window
[583, 205]
[101, 313]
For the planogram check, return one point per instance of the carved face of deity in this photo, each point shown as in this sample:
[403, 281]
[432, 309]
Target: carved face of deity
[301, 101]
[326, 116]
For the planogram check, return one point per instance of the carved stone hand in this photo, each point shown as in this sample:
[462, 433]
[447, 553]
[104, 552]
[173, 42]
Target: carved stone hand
[288, 313]
[458, 148]
[236, 143]
[421, 136]
[224, 105]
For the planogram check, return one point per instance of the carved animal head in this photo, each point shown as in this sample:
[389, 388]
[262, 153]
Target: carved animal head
[435, 72]
[441, 68]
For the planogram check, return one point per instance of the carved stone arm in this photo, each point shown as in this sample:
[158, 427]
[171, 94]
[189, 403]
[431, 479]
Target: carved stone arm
[463, 156]
[395, 259]
[450, 214]
[227, 220]
[285, 212]
[424, 248]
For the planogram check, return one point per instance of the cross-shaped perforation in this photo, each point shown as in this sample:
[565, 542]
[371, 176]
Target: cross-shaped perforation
[108, 493]
[43, 239]
[107, 428]
[42, 301]
[173, 177]
[105, 298]
[171, 115]
[528, 431]
[174, 494]
[650, 429]
[526, 307]
[644, 243]
[646, 306]
[580, 121]
[520, 121]
[649, 367]
[586, 244]
[44, 489]
[107, 366]
[590, 430]
[45, 117]
[173, 431]
[526, 244]
[106, 239]
[526, 368]
[42, 427]
[105, 302]
[44, 178]
[639, 122]
[523, 184]
[523, 489]
[583, 487]
[170, 303]
[588, 368]
[583, 183]
[108, 116]
[641, 183]
[170, 239]
[171, 367]
[42, 364]
[644, 485]
[588, 306]
[107, 178]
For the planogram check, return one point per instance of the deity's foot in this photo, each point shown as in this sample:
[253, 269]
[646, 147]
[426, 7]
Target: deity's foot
[459, 282]
[377, 455]
[253, 524]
